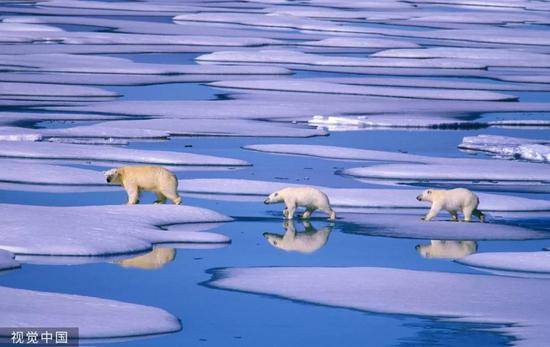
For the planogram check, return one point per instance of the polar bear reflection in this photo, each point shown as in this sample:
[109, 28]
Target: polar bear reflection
[447, 249]
[153, 260]
[308, 241]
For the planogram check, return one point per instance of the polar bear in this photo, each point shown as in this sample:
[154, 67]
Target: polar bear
[293, 197]
[136, 179]
[447, 249]
[155, 259]
[307, 241]
[452, 200]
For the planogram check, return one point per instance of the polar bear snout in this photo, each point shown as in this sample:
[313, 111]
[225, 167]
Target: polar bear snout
[267, 201]
[419, 197]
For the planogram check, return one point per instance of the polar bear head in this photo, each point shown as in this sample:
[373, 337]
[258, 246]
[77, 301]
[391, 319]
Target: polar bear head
[274, 198]
[112, 176]
[426, 195]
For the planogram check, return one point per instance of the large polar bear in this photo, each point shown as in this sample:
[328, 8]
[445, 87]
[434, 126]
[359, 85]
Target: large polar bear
[310, 198]
[307, 241]
[136, 179]
[452, 200]
[447, 249]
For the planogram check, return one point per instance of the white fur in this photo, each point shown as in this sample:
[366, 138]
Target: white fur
[452, 200]
[310, 198]
[447, 249]
[308, 241]
[136, 179]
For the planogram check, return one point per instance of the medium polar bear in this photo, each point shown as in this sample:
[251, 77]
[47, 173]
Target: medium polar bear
[307, 241]
[136, 179]
[310, 198]
[452, 200]
[447, 249]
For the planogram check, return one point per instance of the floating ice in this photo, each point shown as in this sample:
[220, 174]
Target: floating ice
[27, 173]
[49, 90]
[338, 153]
[412, 227]
[528, 149]
[517, 306]
[7, 261]
[296, 57]
[518, 175]
[19, 134]
[490, 57]
[201, 127]
[72, 63]
[99, 230]
[521, 264]
[309, 86]
[351, 197]
[348, 123]
[355, 42]
[44, 150]
[94, 317]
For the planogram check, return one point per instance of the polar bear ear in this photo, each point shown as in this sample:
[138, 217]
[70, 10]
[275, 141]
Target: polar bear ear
[110, 172]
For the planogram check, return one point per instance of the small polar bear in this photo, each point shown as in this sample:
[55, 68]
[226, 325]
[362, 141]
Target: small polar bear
[307, 241]
[293, 197]
[136, 179]
[452, 200]
[447, 249]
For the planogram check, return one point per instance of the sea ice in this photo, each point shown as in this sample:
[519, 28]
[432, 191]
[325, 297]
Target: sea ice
[100, 230]
[514, 147]
[521, 264]
[309, 86]
[412, 227]
[517, 306]
[46, 150]
[7, 261]
[94, 317]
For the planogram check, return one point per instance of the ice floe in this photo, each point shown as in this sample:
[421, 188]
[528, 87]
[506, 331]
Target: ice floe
[100, 230]
[218, 188]
[45, 150]
[480, 173]
[198, 127]
[7, 261]
[94, 64]
[296, 57]
[514, 147]
[520, 264]
[308, 86]
[94, 317]
[8, 89]
[490, 57]
[412, 227]
[338, 153]
[516, 306]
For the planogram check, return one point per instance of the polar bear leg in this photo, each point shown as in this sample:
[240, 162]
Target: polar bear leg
[173, 196]
[434, 210]
[479, 215]
[161, 199]
[454, 216]
[467, 211]
[330, 212]
[133, 194]
[290, 209]
[307, 213]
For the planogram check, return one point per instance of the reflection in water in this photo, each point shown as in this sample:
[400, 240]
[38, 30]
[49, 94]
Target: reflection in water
[153, 260]
[308, 241]
[447, 249]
